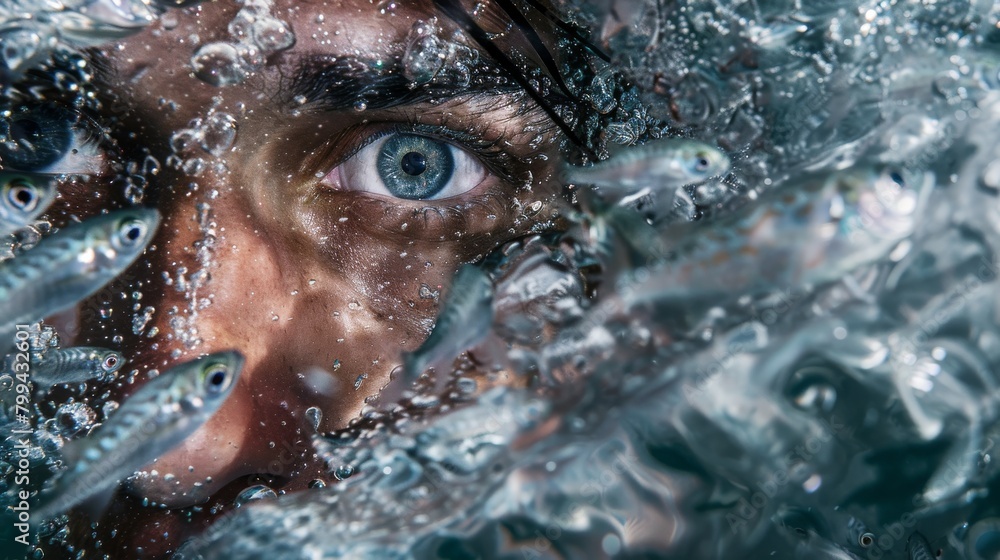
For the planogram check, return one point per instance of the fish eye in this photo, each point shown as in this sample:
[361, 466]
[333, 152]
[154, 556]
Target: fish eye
[131, 232]
[21, 194]
[897, 178]
[702, 162]
[111, 363]
[409, 167]
[216, 379]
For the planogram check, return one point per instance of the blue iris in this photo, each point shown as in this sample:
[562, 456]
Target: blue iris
[32, 139]
[415, 167]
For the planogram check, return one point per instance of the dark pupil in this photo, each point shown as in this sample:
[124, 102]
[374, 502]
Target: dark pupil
[414, 163]
[702, 163]
[35, 139]
[22, 196]
[217, 378]
[111, 361]
[896, 177]
[133, 233]
[414, 167]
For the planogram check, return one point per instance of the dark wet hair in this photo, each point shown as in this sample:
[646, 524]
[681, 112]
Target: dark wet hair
[578, 54]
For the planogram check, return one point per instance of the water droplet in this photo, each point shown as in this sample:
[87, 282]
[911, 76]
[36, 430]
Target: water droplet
[219, 64]
[425, 54]
[812, 483]
[387, 6]
[983, 540]
[343, 472]
[73, 418]
[253, 493]
[361, 378]
[426, 292]
[315, 417]
[218, 133]
[810, 389]
[140, 320]
[193, 166]
[19, 46]
[466, 385]
[991, 175]
[611, 544]
[272, 35]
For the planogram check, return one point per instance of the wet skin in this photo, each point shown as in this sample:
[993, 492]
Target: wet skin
[306, 268]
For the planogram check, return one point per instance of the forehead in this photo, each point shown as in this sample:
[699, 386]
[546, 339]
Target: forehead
[159, 61]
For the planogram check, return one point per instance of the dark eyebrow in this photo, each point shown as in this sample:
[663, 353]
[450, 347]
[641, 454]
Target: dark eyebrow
[339, 84]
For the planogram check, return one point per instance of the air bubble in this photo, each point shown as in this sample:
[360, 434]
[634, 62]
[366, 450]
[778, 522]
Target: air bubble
[343, 472]
[272, 35]
[254, 493]
[74, 418]
[218, 133]
[315, 416]
[219, 64]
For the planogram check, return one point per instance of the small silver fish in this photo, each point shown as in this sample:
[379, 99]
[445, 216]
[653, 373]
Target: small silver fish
[663, 165]
[803, 233]
[75, 365]
[70, 265]
[160, 415]
[465, 318]
[23, 197]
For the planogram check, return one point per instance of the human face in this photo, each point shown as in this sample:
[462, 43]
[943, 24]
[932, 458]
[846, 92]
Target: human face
[298, 245]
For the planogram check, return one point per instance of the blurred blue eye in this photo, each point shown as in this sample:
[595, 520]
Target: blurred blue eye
[47, 138]
[410, 167]
[33, 138]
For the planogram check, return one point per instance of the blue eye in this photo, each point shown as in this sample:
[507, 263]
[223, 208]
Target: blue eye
[409, 167]
[33, 138]
[48, 139]
[414, 167]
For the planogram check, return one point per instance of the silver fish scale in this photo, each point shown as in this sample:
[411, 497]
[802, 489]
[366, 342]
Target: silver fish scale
[69, 365]
[134, 415]
[465, 318]
[21, 288]
[777, 242]
[149, 423]
[65, 268]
